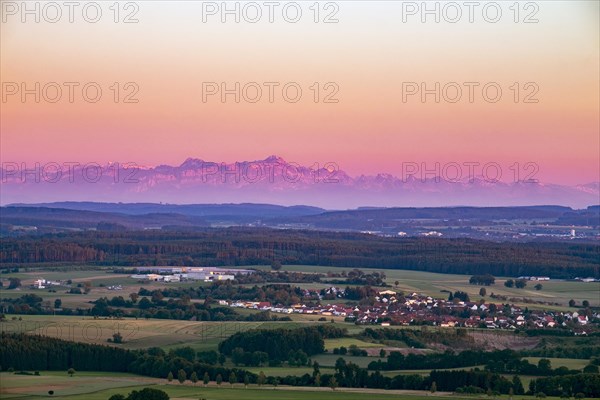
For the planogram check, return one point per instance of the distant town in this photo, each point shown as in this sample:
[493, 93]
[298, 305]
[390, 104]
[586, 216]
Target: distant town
[389, 307]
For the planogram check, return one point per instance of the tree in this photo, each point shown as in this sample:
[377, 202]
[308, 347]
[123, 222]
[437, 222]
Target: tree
[590, 369]
[585, 303]
[117, 397]
[148, 394]
[57, 303]
[87, 287]
[460, 295]
[117, 337]
[486, 280]
[134, 297]
[539, 286]
[333, 383]
[14, 283]
[194, 378]
[276, 265]
[71, 372]
[520, 283]
[517, 385]
[206, 379]
[316, 368]
[232, 378]
[144, 303]
[185, 352]
[170, 376]
[238, 356]
[482, 292]
[181, 376]
[544, 365]
[246, 380]
[509, 283]
[318, 380]
[219, 380]
[382, 353]
[261, 378]
[396, 283]
[433, 387]
[511, 393]
[572, 303]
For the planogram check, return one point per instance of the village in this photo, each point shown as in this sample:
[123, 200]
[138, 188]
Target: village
[391, 308]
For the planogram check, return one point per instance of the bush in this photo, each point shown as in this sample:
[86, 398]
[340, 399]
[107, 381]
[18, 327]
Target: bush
[148, 394]
[470, 390]
[590, 369]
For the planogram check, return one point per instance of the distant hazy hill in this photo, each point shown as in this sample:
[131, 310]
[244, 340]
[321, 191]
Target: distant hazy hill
[375, 219]
[115, 216]
[58, 218]
[202, 210]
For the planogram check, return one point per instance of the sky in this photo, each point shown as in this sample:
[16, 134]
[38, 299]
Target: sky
[162, 77]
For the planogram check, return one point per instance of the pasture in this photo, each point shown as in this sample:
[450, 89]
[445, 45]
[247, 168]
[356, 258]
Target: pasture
[100, 386]
[140, 333]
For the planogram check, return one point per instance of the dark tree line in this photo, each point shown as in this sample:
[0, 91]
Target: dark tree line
[571, 385]
[449, 359]
[24, 352]
[244, 246]
[28, 352]
[580, 352]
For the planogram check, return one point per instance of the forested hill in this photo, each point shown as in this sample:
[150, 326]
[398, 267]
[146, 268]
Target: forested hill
[246, 246]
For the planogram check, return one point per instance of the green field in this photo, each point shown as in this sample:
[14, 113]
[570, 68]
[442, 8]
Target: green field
[328, 360]
[140, 333]
[330, 344]
[100, 386]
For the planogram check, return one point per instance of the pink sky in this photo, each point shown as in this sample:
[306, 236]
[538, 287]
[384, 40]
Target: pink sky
[369, 54]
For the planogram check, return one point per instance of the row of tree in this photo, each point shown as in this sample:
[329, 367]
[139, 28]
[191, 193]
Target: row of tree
[244, 246]
[38, 353]
[25, 352]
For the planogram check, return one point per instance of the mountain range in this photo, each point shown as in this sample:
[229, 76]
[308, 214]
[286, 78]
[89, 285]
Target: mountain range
[274, 181]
